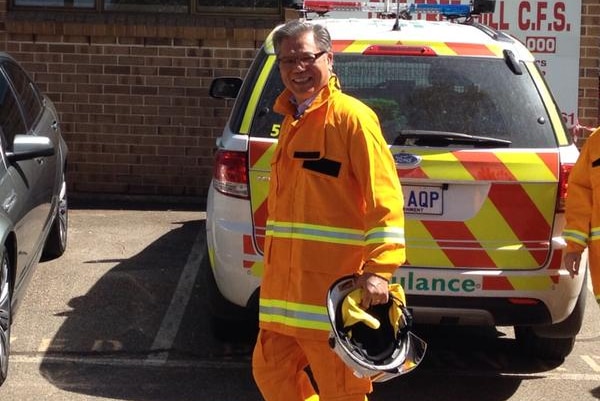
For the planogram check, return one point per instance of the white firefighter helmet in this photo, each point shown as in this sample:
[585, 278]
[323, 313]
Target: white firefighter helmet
[376, 343]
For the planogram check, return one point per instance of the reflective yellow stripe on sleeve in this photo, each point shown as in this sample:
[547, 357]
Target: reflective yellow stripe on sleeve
[386, 235]
[337, 235]
[293, 314]
[578, 237]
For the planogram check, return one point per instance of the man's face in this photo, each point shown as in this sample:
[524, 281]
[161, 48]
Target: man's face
[304, 68]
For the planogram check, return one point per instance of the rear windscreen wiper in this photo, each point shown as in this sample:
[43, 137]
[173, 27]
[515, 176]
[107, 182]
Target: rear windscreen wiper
[443, 138]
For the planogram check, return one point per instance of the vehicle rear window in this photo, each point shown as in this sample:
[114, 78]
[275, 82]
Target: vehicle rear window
[472, 96]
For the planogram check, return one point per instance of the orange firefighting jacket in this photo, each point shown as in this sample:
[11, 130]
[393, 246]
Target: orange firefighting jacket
[582, 228]
[334, 209]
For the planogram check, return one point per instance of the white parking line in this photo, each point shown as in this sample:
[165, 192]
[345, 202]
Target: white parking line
[242, 364]
[129, 362]
[591, 362]
[170, 325]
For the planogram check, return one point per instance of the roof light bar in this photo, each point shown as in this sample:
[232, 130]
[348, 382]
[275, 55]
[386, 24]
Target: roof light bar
[447, 10]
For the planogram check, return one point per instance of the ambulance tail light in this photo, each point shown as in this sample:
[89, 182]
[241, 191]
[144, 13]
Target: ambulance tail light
[563, 180]
[399, 50]
[230, 175]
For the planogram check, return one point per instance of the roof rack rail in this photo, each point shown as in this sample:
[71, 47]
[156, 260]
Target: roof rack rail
[402, 10]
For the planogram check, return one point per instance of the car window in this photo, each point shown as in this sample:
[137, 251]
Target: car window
[246, 90]
[32, 104]
[473, 96]
[11, 119]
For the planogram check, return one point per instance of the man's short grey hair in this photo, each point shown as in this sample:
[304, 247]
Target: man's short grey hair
[295, 28]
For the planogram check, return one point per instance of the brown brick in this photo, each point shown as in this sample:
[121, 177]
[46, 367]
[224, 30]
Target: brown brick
[131, 60]
[144, 90]
[117, 69]
[158, 61]
[171, 71]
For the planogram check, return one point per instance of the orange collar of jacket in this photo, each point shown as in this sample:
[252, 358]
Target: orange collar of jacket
[284, 106]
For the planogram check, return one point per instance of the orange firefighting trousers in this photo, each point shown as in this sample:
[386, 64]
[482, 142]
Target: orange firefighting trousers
[279, 364]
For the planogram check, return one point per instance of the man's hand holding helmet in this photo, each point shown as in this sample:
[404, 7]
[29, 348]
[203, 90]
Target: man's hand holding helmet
[375, 289]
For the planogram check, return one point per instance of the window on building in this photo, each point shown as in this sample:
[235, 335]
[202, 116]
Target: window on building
[238, 4]
[156, 6]
[159, 6]
[89, 4]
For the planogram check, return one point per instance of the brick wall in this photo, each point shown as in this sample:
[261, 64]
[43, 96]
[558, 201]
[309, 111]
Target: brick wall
[132, 90]
[589, 82]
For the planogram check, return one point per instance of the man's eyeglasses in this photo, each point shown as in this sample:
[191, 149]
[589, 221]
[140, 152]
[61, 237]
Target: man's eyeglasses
[304, 59]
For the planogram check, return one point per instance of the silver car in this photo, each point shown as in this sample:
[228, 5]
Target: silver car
[33, 196]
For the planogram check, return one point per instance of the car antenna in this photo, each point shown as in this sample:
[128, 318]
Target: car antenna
[396, 26]
[405, 14]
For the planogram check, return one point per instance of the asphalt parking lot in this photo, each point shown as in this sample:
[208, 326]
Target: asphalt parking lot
[122, 315]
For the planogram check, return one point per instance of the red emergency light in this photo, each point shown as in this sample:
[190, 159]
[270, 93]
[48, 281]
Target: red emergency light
[399, 50]
[325, 6]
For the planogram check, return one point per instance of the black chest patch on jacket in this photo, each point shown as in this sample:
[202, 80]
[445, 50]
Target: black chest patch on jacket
[323, 166]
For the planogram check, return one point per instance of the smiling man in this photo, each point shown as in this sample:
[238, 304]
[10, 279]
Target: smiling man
[334, 209]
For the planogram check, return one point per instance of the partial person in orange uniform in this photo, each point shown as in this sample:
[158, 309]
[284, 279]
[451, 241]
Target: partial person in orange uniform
[335, 208]
[582, 228]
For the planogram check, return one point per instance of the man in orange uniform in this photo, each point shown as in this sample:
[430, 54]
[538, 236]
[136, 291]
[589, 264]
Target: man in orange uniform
[335, 207]
[582, 228]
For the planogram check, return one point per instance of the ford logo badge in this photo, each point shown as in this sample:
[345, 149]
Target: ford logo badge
[406, 160]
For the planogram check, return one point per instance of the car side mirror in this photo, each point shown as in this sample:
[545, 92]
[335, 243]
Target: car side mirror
[225, 88]
[29, 147]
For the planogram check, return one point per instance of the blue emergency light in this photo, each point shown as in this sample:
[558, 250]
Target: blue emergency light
[404, 10]
[447, 10]
[456, 10]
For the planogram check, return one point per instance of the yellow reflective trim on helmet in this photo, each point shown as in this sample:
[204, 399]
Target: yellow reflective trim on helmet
[555, 117]
[255, 96]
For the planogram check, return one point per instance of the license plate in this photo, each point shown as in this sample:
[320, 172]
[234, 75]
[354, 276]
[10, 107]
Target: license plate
[423, 199]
